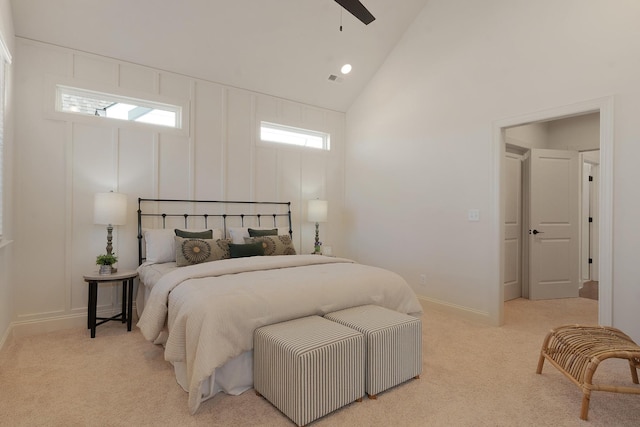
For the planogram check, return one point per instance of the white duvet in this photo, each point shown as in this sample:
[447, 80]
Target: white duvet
[212, 309]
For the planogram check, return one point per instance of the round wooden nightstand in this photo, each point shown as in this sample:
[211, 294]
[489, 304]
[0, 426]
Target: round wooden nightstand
[126, 277]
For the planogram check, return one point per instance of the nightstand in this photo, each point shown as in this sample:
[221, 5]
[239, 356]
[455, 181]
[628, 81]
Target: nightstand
[126, 277]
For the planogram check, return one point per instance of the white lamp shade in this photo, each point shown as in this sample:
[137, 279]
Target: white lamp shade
[110, 208]
[317, 210]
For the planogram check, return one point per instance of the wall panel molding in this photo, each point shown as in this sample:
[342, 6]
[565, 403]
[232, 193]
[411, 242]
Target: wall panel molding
[219, 156]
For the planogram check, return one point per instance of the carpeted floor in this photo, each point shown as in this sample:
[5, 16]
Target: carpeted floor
[473, 375]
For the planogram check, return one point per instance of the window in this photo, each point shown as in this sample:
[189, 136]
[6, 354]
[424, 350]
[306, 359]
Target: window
[81, 101]
[3, 60]
[281, 134]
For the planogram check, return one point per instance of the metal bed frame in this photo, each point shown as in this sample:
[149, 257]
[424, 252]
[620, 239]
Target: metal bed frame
[203, 209]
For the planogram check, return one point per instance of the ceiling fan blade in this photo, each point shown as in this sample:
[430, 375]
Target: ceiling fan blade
[358, 10]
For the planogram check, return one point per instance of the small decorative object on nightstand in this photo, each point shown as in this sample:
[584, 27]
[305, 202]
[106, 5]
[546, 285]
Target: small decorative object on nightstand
[126, 277]
[106, 261]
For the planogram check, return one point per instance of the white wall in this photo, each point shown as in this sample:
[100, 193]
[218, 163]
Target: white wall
[420, 137]
[6, 250]
[534, 135]
[580, 133]
[62, 160]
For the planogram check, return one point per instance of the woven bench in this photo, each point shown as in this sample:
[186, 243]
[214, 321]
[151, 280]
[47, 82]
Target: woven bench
[393, 344]
[308, 367]
[578, 350]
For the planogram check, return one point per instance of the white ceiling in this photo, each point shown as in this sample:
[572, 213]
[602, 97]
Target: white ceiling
[285, 48]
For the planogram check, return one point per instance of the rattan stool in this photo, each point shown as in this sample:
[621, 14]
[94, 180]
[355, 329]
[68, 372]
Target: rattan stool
[393, 343]
[578, 350]
[308, 367]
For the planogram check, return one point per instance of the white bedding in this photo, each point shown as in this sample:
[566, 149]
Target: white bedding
[212, 309]
[149, 273]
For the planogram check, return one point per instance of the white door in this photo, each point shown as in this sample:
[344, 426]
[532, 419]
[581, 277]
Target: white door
[512, 227]
[554, 224]
[594, 246]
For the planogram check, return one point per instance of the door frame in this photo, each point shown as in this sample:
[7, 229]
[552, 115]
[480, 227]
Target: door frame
[593, 204]
[604, 106]
[518, 153]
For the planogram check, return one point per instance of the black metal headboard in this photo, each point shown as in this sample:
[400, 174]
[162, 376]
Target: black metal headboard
[209, 214]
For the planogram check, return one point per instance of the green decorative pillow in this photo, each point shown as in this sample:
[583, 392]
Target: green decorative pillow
[248, 249]
[206, 234]
[258, 233]
[274, 245]
[197, 251]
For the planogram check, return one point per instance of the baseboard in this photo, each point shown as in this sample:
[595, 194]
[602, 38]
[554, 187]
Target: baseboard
[46, 325]
[52, 324]
[465, 312]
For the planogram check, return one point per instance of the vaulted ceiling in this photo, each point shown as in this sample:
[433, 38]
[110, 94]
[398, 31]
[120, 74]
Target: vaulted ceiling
[285, 48]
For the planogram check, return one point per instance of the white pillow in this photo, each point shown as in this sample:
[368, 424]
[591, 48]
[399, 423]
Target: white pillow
[160, 243]
[237, 234]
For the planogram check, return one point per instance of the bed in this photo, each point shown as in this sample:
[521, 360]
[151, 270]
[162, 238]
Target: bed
[203, 293]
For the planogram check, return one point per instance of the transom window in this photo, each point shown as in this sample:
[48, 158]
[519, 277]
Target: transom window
[81, 101]
[282, 134]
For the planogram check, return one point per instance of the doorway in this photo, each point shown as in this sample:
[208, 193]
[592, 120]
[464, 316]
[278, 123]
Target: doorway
[548, 206]
[604, 107]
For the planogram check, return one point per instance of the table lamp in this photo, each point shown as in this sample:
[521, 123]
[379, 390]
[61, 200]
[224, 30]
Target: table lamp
[317, 212]
[110, 209]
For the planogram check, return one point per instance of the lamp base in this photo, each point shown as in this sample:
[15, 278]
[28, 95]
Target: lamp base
[317, 250]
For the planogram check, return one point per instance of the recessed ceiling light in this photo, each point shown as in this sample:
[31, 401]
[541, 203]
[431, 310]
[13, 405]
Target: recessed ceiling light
[346, 69]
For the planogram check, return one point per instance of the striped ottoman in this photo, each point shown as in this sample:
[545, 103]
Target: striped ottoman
[308, 367]
[393, 341]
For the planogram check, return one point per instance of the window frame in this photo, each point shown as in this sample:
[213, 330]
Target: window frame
[325, 136]
[5, 62]
[62, 89]
[52, 81]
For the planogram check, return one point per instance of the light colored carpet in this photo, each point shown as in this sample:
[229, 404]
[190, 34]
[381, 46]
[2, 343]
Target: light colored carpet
[474, 375]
